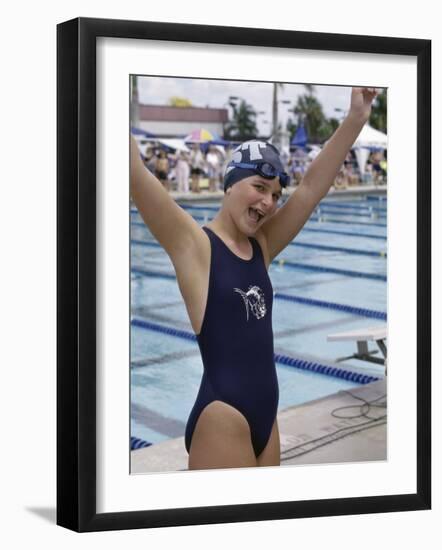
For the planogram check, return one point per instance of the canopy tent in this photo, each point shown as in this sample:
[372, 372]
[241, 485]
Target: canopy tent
[300, 138]
[175, 144]
[371, 138]
[222, 142]
[368, 140]
[167, 144]
[138, 132]
[205, 138]
[142, 137]
[314, 151]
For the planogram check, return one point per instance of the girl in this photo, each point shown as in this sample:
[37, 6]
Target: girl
[182, 173]
[221, 271]
[162, 169]
[197, 167]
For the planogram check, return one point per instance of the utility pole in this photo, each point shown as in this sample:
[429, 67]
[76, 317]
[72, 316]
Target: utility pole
[134, 103]
[275, 131]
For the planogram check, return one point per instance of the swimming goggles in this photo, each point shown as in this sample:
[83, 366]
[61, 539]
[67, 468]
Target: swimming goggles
[264, 169]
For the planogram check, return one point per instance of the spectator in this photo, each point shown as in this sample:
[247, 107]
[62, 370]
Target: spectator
[182, 171]
[162, 169]
[377, 158]
[298, 163]
[341, 180]
[383, 165]
[352, 177]
[150, 159]
[213, 168]
[196, 167]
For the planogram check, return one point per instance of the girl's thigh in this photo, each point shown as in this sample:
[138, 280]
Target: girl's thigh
[221, 439]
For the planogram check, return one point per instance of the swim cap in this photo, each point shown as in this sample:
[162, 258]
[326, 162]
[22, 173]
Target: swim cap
[251, 152]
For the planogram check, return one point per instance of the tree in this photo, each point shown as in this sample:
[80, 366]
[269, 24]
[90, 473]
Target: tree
[243, 126]
[176, 101]
[334, 123]
[291, 128]
[378, 117]
[309, 110]
[310, 89]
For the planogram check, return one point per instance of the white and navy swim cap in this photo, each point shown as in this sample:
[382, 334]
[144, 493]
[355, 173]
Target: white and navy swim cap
[254, 157]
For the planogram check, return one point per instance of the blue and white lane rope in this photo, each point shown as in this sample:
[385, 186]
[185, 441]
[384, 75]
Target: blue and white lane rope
[353, 206]
[323, 269]
[136, 443]
[304, 229]
[346, 233]
[362, 312]
[302, 364]
[326, 248]
[358, 214]
[326, 218]
[298, 265]
[307, 229]
[318, 218]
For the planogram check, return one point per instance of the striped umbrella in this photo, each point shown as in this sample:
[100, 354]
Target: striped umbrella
[201, 135]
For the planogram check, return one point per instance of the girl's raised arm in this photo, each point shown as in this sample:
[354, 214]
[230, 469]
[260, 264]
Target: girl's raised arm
[285, 224]
[175, 229]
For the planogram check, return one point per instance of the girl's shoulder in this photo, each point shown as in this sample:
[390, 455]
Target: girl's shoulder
[262, 241]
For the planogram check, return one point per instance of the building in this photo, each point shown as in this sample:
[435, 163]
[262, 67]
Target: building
[170, 122]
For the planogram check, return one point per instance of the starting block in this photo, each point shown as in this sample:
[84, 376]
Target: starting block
[376, 334]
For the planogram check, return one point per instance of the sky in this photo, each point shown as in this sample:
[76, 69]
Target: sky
[215, 93]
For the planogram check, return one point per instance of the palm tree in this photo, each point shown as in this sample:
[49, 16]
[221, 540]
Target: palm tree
[309, 111]
[310, 89]
[378, 117]
[243, 126]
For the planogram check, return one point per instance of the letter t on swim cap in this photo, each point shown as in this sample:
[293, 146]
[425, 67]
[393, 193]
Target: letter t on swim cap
[253, 147]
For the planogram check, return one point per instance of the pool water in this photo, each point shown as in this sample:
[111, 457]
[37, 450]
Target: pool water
[166, 369]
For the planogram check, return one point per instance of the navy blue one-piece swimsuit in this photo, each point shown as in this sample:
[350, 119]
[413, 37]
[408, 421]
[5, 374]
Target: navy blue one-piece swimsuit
[236, 342]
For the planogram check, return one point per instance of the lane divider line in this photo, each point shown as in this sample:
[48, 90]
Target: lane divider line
[298, 265]
[295, 362]
[363, 312]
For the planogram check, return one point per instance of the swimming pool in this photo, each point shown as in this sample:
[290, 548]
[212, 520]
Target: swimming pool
[332, 278]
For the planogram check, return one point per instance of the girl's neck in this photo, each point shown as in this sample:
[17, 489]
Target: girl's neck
[225, 227]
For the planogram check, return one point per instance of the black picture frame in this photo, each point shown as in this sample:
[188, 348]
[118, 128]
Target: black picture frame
[77, 287]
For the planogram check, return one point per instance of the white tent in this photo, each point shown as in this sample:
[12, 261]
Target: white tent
[369, 138]
[177, 144]
[145, 142]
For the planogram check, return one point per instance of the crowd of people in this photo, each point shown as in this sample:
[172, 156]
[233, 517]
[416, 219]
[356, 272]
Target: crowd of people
[202, 168]
[184, 171]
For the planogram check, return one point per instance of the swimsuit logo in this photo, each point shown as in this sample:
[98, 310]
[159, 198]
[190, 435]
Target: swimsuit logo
[253, 299]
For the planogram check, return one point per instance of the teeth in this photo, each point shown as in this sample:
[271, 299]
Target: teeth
[255, 214]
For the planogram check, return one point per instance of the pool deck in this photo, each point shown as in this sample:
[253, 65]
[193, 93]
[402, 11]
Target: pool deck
[205, 195]
[309, 433]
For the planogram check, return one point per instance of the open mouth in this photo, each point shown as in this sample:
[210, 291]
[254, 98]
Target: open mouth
[256, 215]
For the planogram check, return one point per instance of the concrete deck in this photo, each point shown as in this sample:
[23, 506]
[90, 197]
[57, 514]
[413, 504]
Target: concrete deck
[353, 190]
[309, 433]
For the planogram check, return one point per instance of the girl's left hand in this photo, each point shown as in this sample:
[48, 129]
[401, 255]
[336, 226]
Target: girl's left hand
[361, 101]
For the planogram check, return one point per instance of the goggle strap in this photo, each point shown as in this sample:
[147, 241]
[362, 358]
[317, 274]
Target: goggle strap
[282, 175]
